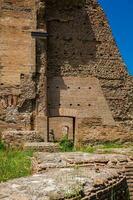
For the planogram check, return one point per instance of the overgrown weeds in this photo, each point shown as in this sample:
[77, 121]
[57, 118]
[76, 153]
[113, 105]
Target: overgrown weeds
[111, 145]
[14, 163]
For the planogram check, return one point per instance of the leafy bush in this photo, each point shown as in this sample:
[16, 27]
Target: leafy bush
[66, 144]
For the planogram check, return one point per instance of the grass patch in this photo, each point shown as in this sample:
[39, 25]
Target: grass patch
[87, 149]
[111, 145]
[107, 147]
[67, 146]
[14, 164]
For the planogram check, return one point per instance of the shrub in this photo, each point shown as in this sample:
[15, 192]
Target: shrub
[66, 144]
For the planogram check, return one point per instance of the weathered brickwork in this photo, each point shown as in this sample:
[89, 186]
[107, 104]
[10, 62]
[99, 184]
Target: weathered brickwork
[59, 59]
[80, 42]
[89, 49]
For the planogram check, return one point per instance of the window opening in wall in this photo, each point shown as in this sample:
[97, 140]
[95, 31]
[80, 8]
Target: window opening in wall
[70, 104]
[78, 104]
[89, 88]
[78, 87]
[89, 104]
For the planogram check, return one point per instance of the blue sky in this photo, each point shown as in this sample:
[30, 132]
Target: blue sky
[120, 16]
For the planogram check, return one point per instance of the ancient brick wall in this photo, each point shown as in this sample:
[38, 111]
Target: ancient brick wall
[22, 77]
[80, 43]
[82, 96]
[119, 95]
[114, 188]
[16, 22]
[17, 60]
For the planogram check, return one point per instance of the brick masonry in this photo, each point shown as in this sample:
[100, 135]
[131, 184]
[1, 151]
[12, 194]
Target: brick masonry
[76, 71]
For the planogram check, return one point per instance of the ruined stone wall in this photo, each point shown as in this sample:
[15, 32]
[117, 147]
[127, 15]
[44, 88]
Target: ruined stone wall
[22, 73]
[119, 95]
[80, 44]
[17, 61]
[113, 188]
[17, 20]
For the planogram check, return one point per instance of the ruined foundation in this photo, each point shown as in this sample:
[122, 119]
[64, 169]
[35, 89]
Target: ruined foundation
[73, 176]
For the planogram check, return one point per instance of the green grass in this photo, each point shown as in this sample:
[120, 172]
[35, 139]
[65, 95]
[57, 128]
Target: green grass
[14, 164]
[87, 149]
[106, 147]
[67, 146]
[111, 145]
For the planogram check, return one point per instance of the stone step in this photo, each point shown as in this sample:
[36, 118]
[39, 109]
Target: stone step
[42, 146]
